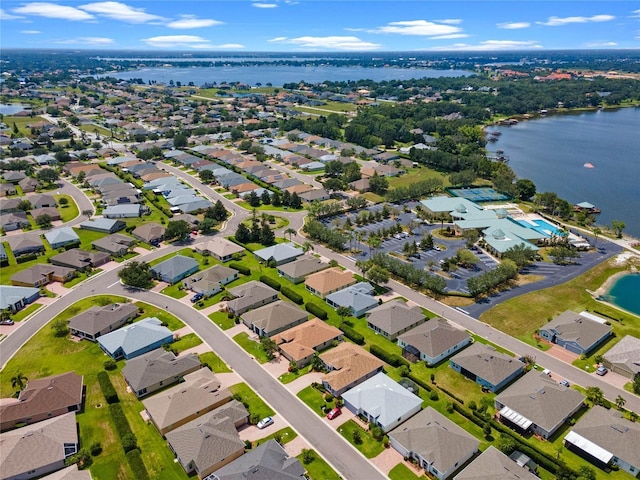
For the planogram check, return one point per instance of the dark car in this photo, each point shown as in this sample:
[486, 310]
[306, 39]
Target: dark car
[196, 297]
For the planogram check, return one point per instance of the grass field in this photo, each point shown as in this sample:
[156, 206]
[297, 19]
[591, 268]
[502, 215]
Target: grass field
[418, 174]
[252, 347]
[368, 446]
[186, 342]
[317, 468]
[256, 404]
[69, 211]
[21, 123]
[216, 364]
[402, 472]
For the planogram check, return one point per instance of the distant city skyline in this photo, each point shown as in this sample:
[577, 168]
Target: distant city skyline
[319, 26]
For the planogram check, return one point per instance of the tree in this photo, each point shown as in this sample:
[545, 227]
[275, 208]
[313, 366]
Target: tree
[521, 254]
[206, 176]
[19, 381]
[620, 401]
[63, 201]
[243, 234]
[378, 184]
[486, 430]
[364, 266]
[207, 225]
[87, 213]
[179, 229]
[180, 141]
[43, 220]
[60, 327]
[47, 175]
[374, 243]
[306, 246]
[24, 205]
[218, 211]
[378, 274]
[269, 347]
[136, 274]
[563, 255]
[333, 184]
[267, 237]
[471, 237]
[617, 226]
[290, 232]
[343, 312]
[427, 242]
[525, 189]
[253, 199]
[636, 384]
[295, 202]
[595, 395]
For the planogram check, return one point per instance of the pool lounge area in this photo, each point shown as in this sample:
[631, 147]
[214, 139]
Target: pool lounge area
[542, 226]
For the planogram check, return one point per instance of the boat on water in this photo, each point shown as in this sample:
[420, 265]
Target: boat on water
[588, 165]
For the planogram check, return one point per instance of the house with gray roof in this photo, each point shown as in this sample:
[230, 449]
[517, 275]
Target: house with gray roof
[537, 404]
[195, 206]
[69, 473]
[220, 248]
[40, 448]
[575, 332]
[9, 205]
[433, 341]
[358, 298]
[23, 245]
[279, 253]
[42, 274]
[14, 221]
[53, 212]
[80, 260]
[605, 438]
[250, 295]
[486, 366]
[440, 446]
[136, 339]
[394, 318]
[114, 244]
[297, 270]
[103, 225]
[624, 357]
[210, 281]
[492, 464]
[28, 184]
[13, 176]
[61, 237]
[41, 200]
[267, 461]
[175, 269]
[274, 318]
[98, 321]
[122, 211]
[158, 369]
[16, 298]
[7, 189]
[152, 233]
[200, 393]
[382, 401]
[211, 441]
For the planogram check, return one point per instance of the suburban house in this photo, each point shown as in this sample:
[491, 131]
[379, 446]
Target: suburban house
[348, 365]
[537, 404]
[250, 295]
[358, 298]
[114, 244]
[382, 401]
[136, 339]
[13, 176]
[157, 369]
[80, 260]
[42, 274]
[486, 366]
[152, 233]
[604, 438]
[103, 225]
[575, 332]
[198, 394]
[122, 211]
[41, 200]
[29, 184]
[432, 341]
[492, 464]
[16, 298]
[25, 245]
[69, 473]
[220, 248]
[38, 449]
[274, 318]
[3, 253]
[7, 189]
[267, 461]
[211, 441]
[98, 321]
[53, 213]
[279, 253]
[10, 205]
[61, 237]
[394, 318]
[175, 269]
[297, 270]
[329, 281]
[210, 281]
[440, 446]
[624, 357]
[43, 398]
[299, 344]
[14, 221]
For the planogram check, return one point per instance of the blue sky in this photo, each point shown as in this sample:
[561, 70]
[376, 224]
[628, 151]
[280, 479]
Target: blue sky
[326, 25]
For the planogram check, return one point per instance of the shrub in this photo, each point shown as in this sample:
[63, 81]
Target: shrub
[433, 396]
[317, 310]
[129, 442]
[137, 465]
[110, 365]
[26, 258]
[244, 270]
[307, 456]
[357, 437]
[95, 449]
[273, 283]
[351, 334]
[472, 405]
[377, 433]
[457, 399]
[110, 394]
[82, 459]
[391, 358]
[292, 295]
[120, 420]
[419, 382]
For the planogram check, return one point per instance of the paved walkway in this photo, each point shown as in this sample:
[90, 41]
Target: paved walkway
[388, 459]
[304, 381]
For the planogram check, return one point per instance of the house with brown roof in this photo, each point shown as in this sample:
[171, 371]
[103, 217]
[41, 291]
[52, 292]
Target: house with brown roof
[394, 318]
[53, 212]
[198, 394]
[348, 365]
[220, 248]
[297, 270]
[433, 341]
[329, 281]
[115, 244]
[43, 398]
[38, 449]
[80, 260]
[98, 321]
[29, 184]
[149, 233]
[274, 318]
[301, 188]
[299, 344]
[42, 274]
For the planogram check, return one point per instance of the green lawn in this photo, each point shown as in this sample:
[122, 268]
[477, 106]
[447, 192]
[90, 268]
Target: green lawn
[222, 320]
[253, 348]
[417, 174]
[216, 364]
[69, 211]
[317, 468]
[368, 446]
[244, 204]
[279, 222]
[402, 472]
[174, 291]
[171, 321]
[291, 376]
[25, 312]
[285, 435]
[186, 342]
[312, 398]
[257, 406]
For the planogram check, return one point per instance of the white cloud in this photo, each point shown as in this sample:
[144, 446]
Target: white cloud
[450, 21]
[514, 25]
[331, 42]
[559, 22]
[635, 14]
[4, 15]
[120, 11]
[86, 41]
[264, 5]
[491, 45]
[417, 27]
[191, 21]
[53, 10]
[169, 41]
[31, 32]
[446, 37]
[601, 44]
[229, 46]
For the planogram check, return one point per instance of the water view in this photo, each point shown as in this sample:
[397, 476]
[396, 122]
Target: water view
[587, 157]
[624, 293]
[11, 108]
[279, 75]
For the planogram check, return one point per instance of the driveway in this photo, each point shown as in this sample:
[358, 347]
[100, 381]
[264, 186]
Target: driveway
[388, 459]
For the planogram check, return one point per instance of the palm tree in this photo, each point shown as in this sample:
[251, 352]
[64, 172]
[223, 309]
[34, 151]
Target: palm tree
[290, 232]
[306, 246]
[19, 381]
[596, 232]
[374, 243]
[343, 312]
[620, 401]
[359, 237]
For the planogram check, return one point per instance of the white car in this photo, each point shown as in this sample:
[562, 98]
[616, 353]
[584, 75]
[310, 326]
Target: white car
[265, 422]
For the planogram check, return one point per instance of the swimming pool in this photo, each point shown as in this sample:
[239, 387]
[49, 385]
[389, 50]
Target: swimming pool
[542, 226]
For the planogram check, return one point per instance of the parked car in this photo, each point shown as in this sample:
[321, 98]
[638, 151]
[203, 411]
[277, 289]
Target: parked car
[265, 422]
[8, 321]
[564, 383]
[437, 248]
[334, 413]
[602, 370]
[196, 297]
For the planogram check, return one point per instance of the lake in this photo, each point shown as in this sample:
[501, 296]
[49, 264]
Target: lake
[552, 152]
[278, 75]
[624, 293]
[11, 108]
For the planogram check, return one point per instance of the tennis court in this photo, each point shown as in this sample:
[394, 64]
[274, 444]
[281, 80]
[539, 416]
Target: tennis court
[479, 194]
